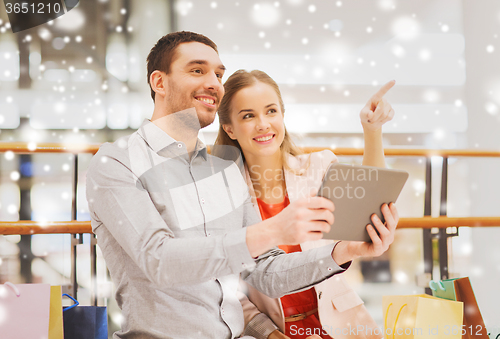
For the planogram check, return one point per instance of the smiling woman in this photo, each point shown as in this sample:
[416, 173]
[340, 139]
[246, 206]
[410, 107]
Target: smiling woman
[259, 102]
[251, 117]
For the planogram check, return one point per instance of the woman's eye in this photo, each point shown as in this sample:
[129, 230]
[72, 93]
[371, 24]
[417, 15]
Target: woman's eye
[246, 116]
[272, 110]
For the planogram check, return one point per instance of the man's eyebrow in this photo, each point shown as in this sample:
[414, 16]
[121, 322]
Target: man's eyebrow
[203, 62]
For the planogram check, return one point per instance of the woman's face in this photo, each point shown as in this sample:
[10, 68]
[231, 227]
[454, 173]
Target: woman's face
[257, 121]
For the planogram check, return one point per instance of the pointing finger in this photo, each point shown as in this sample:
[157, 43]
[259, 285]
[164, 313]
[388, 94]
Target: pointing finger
[381, 92]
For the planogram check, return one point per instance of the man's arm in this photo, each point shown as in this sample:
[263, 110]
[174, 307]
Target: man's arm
[127, 211]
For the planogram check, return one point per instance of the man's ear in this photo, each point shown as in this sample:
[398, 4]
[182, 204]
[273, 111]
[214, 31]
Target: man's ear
[229, 130]
[157, 82]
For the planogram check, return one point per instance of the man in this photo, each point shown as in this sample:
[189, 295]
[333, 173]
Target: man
[176, 225]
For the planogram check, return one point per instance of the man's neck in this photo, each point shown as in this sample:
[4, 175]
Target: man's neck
[182, 126]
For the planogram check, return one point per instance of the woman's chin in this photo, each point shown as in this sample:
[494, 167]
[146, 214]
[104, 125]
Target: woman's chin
[266, 151]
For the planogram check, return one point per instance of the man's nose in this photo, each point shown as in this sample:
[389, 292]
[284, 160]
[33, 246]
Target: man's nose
[212, 82]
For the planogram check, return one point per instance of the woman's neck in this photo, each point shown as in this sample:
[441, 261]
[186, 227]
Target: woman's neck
[267, 177]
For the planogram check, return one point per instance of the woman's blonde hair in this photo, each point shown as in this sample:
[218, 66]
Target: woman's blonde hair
[236, 82]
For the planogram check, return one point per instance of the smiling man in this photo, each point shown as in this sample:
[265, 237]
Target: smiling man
[176, 225]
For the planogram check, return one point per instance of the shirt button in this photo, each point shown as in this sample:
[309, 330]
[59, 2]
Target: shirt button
[179, 145]
[329, 268]
[202, 200]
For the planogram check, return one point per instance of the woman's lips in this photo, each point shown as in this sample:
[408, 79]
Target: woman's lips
[266, 141]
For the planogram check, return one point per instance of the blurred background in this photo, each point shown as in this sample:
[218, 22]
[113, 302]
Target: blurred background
[81, 78]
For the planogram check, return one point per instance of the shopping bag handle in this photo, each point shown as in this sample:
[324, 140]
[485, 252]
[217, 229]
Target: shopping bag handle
[439, 283]
[72, 306]
[14, 288]
[397, 318]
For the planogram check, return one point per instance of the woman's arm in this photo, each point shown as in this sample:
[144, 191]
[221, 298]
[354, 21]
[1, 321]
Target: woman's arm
[373, 154]
[376, 113]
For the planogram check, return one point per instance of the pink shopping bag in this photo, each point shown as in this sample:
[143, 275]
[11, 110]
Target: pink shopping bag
[24, 311]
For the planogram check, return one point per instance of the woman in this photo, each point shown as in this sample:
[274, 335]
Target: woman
[251, 119]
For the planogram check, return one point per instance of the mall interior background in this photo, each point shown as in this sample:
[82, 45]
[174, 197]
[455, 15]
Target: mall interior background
[82, 79]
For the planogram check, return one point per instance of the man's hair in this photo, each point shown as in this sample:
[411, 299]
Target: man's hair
[161, 55]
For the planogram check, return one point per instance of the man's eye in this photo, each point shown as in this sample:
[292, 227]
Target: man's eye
[219, 76]
[197, 71]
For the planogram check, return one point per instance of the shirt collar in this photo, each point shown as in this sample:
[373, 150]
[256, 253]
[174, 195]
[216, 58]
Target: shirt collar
[158, 139]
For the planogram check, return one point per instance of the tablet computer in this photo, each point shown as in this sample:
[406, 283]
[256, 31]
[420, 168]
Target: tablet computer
[358, 192]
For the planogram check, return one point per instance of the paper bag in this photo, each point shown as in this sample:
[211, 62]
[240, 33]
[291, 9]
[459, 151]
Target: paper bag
[460, 289]
[85, 322]
[55, 314]
[24, 311]
[421, 316]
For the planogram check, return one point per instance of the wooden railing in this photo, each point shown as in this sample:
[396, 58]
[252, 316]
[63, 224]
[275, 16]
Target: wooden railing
[426, 223]
[26, 148]
[78, 227]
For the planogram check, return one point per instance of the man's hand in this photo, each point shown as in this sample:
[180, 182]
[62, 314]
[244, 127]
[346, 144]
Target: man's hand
[377, 110]
[348, 250]
[303, 220]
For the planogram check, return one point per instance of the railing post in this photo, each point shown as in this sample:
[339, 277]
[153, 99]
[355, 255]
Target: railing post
[75, 240]
[93, 268]
[427, 233]
[443, 235]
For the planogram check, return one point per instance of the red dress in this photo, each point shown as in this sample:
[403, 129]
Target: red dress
[300, 302]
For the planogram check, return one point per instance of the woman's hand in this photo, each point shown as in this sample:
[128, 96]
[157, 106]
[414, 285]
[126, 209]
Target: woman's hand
[377, 110]
[348, 250]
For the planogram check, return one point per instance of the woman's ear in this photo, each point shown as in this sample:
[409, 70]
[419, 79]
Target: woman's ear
[229, 130]
[156, 80]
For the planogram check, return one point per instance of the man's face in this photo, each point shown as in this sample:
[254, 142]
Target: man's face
[195, 80]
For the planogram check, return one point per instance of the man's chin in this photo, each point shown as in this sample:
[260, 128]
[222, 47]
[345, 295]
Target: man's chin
[206, 118]
[206, 122]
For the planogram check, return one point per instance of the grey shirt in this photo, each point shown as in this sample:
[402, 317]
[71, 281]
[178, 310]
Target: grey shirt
[172, 231]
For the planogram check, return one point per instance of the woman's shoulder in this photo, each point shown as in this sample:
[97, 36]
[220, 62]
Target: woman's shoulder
[316, 159]
[325, 156]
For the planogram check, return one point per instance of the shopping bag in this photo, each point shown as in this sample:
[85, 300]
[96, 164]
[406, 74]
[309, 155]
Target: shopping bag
[85, 322]
[421, 316]
[24, 311]
[55, 314]
[460, 289]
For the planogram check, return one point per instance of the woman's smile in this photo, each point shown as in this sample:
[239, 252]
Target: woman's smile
[265, 139]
